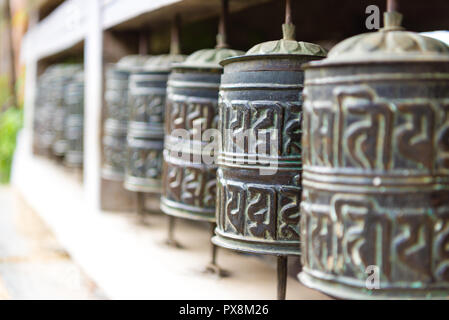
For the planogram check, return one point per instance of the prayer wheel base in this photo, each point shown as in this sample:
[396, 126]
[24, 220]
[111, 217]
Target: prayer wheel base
[186, 212]
[142, 185]
[254, 247]
[74, 159]
[352, 292]
[108, 173]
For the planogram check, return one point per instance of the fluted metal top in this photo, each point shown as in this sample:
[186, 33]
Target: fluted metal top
[208, 58]
[163, 62]
[391, 43]
[287, 45]
[131, 62]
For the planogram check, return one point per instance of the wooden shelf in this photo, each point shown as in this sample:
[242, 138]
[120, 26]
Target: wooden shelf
[67, 26]
[129, 260]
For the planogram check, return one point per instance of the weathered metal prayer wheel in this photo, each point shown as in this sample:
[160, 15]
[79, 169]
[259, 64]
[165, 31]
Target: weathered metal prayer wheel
[259, 160]
[48, 99]
[375, 202]
[192, 108]
[59, 85]
[74, 101]
[147, 92]
[39, 114]
[117, 113]
[259, 190]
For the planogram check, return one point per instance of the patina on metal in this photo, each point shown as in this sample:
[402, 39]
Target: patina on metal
[41, 121]
[117, 113]
[376, 167]
[73, 131]
[192, 109]
[147, 91]
[259, 159]
[58, 87]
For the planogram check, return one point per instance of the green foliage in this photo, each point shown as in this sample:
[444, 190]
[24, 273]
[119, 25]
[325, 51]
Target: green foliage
[4, 91]
[10, 123]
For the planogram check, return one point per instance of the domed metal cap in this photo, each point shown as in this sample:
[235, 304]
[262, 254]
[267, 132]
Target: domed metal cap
[288, 45]
[208, 58]
[131, 62]
[391, 43]
[163, 62]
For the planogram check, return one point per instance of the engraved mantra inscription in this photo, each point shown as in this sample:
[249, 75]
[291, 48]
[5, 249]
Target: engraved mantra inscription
[116, 97]
[259, 211]
[114, 149]
[266, 210]
[145, 163]
[353, 232]
[147, 110]
[186, 183]
[191, 186]
[362, 131]
[190, 113]
[239, 117]
[345, 227]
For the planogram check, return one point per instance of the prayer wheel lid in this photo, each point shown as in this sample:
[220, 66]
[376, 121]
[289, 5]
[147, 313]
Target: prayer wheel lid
[287, 46]
[208, 58]
[390, 44]
[131, 62]
[163, 62]
[62, 68]
[79, 76]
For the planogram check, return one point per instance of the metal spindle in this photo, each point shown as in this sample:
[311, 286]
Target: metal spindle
[281, 277]
[392, 5]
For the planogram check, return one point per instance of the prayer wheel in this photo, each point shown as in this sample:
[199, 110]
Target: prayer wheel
[192, 99]
[59, 86]
[375, 209]
[117, 113]
[189, 168]
[40, 107]
[259, 159]
[47, 101]
[192, 108]
[74, 101]
[147, 92]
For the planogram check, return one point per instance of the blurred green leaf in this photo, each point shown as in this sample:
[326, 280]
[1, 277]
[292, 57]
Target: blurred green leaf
[10, 123]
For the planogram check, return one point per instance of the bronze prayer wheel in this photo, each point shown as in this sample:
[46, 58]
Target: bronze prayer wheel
[48, 101]
[259, 159]
[258, 211]
[375, 210]
[117, 113]
[74, 101]
[40, 121]
[147, 92]
[192, 99]
[59, 86]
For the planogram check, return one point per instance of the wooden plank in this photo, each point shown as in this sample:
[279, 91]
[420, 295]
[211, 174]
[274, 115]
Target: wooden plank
[67, 25]
[62, 29]
[129, 260]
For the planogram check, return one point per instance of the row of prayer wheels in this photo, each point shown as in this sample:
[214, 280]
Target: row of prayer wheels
[342, 160]
[58, 116]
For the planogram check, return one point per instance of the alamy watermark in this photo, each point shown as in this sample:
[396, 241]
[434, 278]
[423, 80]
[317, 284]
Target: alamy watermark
[372, 22]
[373, 279]
[253, 148]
